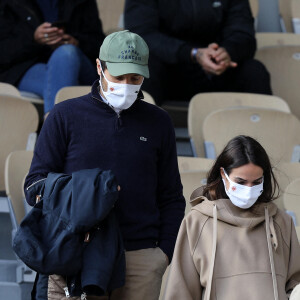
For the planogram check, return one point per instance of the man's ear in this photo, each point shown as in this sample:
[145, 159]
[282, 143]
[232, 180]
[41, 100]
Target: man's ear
[98, 66]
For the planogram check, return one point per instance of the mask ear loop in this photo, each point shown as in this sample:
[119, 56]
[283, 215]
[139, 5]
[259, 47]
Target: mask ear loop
[104, 76]
[100, 82]
[226, 175]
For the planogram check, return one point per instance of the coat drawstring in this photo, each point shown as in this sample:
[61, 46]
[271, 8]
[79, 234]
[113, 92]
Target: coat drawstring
[213, 254]
[267, 218]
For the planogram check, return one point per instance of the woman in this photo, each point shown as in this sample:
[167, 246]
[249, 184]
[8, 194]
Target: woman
[235, 243]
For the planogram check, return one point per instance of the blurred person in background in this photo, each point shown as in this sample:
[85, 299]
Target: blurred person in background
[48, 44]
[198, 46]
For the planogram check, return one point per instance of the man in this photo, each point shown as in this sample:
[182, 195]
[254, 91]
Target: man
[197, 46]
[113, 128]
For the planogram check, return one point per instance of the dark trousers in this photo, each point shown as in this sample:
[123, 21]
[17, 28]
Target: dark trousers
[182, 81]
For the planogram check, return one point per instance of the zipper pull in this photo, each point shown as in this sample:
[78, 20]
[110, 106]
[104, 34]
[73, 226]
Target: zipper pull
[83, 296]
[67, 292]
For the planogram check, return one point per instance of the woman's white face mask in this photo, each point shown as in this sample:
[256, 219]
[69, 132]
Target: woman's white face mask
[119, 95]
[241, 195]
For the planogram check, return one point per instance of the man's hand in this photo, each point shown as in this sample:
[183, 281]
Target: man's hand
[47, 35]
[214, 59]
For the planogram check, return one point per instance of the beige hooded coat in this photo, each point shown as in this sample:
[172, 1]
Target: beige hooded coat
[225, 248]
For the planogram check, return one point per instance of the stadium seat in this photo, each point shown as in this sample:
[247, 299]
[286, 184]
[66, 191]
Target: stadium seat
[295, 7]
[285, 14]
[14, 273]
[204, 103]
[187, 164]
[9, 89]
[291, 200]
[283, 63]
[111, 15]
[148, 98]
[77, 91]
[277, 131]
[17, 165]
[254, 5]
[270, 39]
[70, 92]
[18, 125]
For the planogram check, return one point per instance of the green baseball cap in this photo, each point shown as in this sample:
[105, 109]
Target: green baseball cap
[125, 52]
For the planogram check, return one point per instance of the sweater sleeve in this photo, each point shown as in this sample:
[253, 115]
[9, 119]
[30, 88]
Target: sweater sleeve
[171, 202]
[293, 276]
[49, 151]
[183, 281]
[142, 17]
[238, 35]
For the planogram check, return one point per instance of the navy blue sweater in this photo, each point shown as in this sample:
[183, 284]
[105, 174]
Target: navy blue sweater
[138, 146]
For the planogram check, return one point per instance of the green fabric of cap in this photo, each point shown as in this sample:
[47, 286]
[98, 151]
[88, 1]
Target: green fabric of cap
[125, 52]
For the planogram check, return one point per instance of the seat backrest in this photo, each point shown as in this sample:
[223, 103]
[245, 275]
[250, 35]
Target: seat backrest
[148, 98]
[298, 232]
[70, 92]
[16, 167]
[295, 7]
[18, 119]
[191, 181]
[270, 39]
[291, 198]
[111, 14]
[204, 103]
[277, 131]
[285, 173]
[8, 89]
[283, 63]
[187, 163]
[254, 5]
[285, 12]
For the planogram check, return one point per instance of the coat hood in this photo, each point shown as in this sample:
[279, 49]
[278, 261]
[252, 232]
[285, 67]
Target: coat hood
[223, 210]
[229, 213]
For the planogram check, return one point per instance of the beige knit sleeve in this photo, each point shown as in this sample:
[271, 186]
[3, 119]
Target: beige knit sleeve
[293, 277]
[183, 281]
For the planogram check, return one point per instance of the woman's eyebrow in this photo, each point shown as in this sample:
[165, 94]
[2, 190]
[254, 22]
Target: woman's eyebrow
[239, 178]
[259, 178]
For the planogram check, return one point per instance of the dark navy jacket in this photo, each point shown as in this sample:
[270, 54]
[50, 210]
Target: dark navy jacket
[50, 239]
[138, 145]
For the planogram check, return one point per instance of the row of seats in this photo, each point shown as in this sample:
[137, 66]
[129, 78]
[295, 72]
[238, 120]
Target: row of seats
[111, 14]
[193, 174]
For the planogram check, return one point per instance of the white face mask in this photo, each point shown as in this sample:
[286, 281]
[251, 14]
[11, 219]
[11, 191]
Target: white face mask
[120, 96]
[241, 195]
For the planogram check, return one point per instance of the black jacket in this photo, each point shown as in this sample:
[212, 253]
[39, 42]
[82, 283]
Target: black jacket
[172, 28]
[50, 239]
[20, 18]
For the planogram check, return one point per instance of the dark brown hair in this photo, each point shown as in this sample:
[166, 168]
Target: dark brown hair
[240, 151]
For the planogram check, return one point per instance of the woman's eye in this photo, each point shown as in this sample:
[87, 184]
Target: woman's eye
[241, 182]
[257, 182]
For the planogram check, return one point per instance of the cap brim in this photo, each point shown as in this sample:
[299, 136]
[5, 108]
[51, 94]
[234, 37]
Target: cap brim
[117, 69]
